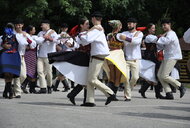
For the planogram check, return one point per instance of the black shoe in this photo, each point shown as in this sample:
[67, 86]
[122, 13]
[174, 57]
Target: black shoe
[169, 96]
[88, 105]
[127, 99]
[32, 87]
[66, 85]
[5, 92]
[42, 91]
[9, 90]
[49, 90]
[24, 89]
[32, 90]
[145, 85]
[160, 96]
[110, 99]
[142, 94]
[18, 96]
[56, 85]
[115, 99]
[72, 99]
[182, 90]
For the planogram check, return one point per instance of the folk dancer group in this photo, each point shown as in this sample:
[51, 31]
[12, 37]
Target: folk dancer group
[83, 53]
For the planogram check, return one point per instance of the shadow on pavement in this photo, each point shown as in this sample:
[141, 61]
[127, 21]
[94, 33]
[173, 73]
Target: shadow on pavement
[45, 103]
[186, 109]
[155, 115]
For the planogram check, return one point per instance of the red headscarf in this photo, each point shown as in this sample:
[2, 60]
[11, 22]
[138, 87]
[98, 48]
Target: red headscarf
[74, 31]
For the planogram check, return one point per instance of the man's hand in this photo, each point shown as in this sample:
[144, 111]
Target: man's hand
[6, 46]
[122, 37]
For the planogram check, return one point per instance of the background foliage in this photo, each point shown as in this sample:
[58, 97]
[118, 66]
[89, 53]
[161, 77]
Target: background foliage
[68, 11]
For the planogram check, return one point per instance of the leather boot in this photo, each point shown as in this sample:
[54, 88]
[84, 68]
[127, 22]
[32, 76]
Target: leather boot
[85, 94]
[56, 85]
[76, 90]
[182, 90]
[32, 87]
[157, 92]
[113, 88]
[173, 88]
[23, 86]
[5, 91]
[143, 89]
[9, 89]
[169, 96]
[66, 85]
[42, 91]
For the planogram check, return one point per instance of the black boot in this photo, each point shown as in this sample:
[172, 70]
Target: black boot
[9, 89]
[173, 89]
[157, 92]
[151, 87]
[42, 91]
[76, 90]
[113, 88]
[23, 86]
[5, 91]
[56, 85]
[32, 87]
[182, 90]
[72, 84]
[49, 90]
[66, 85]
[143, 89]
[169, 96]
[110, 99]
[85, 94]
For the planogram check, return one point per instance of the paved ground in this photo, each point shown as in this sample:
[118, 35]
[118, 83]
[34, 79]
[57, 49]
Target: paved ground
[55, 111]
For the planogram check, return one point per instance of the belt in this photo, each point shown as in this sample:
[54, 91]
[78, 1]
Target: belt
[98, 58]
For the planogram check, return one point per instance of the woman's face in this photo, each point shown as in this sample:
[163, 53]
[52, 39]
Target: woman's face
[33, 31]
[85, 26]
[152, 29]
[120, 27]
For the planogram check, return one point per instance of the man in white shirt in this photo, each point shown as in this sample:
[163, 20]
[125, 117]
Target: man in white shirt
[132, 42]
[186, 36]
[23, 39]
[47, 44]
[99, 50]
[172, 53]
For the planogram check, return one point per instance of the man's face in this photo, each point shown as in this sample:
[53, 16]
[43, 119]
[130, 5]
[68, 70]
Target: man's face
[131, 25]
[19, 26]
[93, 20]
[166, 26]
[44, 26]
[152, 29]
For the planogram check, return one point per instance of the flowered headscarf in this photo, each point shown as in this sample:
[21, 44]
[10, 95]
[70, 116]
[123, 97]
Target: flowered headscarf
[114, 23]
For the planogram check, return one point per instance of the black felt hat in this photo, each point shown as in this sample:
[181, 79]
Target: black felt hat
[97, 14]
[133, 20]
[167, 21]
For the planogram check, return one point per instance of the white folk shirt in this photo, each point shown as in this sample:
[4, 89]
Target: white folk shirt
[132, 49]
[171, 47]
[22, 41]
[97, 38]
[46, 47]
[1, 42]
[186, 36]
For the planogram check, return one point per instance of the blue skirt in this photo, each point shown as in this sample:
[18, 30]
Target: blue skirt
[10, 63]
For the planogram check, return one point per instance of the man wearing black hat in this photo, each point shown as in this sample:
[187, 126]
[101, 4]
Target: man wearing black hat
[47, 44]
[132, 42]
[172, 53]
[99, 50]
[24, 40]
